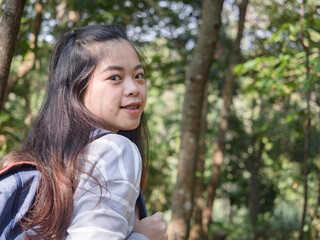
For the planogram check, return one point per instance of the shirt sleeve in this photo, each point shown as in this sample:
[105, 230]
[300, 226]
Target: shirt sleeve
[107, 211]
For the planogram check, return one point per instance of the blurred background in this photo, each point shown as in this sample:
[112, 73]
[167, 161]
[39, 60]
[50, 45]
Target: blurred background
[233, 107]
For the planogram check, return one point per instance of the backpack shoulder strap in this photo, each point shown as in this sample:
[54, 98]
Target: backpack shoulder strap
[16, 166]
[18, 186]
[98, 133]
[142, 206]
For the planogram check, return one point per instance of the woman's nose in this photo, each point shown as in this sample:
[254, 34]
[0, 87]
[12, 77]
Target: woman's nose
[132, 88]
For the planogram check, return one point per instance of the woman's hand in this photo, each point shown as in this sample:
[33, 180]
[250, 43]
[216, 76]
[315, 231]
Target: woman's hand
[152, 227]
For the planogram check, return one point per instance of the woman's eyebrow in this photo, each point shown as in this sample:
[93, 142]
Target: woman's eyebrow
[111, 68]
[119, 68]
[138, 67]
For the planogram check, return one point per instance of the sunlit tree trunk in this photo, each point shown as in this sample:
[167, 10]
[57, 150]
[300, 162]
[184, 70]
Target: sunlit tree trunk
[196, 78]
[308, 125]
[196, 232]
[30, 58]
[227, 94]
[9, 29]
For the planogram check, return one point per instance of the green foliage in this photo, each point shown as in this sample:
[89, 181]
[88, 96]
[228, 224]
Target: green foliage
[269, 104]
[271, 107]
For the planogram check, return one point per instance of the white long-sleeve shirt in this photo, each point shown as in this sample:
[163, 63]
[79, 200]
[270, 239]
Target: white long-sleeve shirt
[115, 162]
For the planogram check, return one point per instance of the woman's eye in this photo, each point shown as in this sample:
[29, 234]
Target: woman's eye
[140, 76]
[115, 78]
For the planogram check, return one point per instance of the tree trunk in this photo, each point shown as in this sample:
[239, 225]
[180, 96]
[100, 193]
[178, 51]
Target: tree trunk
[9, 29]
[196, 232]
[196, 77]
[30, 58]
[254, 164]
[308, 127]
[227, 94]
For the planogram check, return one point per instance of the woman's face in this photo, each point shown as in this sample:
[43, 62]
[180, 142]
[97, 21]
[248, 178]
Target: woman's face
[116, 92]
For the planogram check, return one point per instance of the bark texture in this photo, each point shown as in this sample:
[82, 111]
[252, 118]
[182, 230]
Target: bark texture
[196, 232]
[227, 94]
[254, 164]
[9, 29]
[196, 78]
[29, 61]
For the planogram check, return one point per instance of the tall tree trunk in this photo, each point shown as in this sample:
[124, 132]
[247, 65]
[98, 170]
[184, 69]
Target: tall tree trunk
[28, 63]
[9, 29]
[196, 77]
[196, 232]
[308, 126]
[227, 94]
[254, 164]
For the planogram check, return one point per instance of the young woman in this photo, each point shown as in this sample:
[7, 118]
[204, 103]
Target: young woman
[90, 142]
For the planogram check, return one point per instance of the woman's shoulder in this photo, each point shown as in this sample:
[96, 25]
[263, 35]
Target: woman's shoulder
[110, 145]
[115, 154]
[113, 140]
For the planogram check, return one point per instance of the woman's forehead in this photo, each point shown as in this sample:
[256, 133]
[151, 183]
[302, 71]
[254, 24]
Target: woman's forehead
[117, 55]
[118, 50]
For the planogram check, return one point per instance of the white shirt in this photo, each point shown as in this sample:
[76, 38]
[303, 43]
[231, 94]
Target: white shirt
[115, 162]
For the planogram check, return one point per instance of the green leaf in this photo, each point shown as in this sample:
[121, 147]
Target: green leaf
[239, 69]
[308, 83]
[314, 35]
[250, 65]
[290, 117]
[276, 37]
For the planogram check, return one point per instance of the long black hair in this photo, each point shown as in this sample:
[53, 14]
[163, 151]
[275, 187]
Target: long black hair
[63, 126]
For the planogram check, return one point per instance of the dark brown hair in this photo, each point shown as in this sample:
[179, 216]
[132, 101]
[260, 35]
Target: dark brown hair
[62, 129]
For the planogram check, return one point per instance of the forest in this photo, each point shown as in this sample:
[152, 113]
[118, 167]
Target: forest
[233, 105]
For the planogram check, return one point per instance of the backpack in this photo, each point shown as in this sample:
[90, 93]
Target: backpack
[18, 186]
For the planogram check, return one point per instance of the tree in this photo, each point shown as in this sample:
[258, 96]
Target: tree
[29, 61]
[196, 78]
[9, 29]
[196, 232]
[227, 95]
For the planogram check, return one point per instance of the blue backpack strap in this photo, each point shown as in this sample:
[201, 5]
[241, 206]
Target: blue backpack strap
[97, 133]
[18, 186]
[142, 206]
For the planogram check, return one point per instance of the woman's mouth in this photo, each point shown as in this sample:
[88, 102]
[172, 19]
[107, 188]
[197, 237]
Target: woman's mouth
[132, 108]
